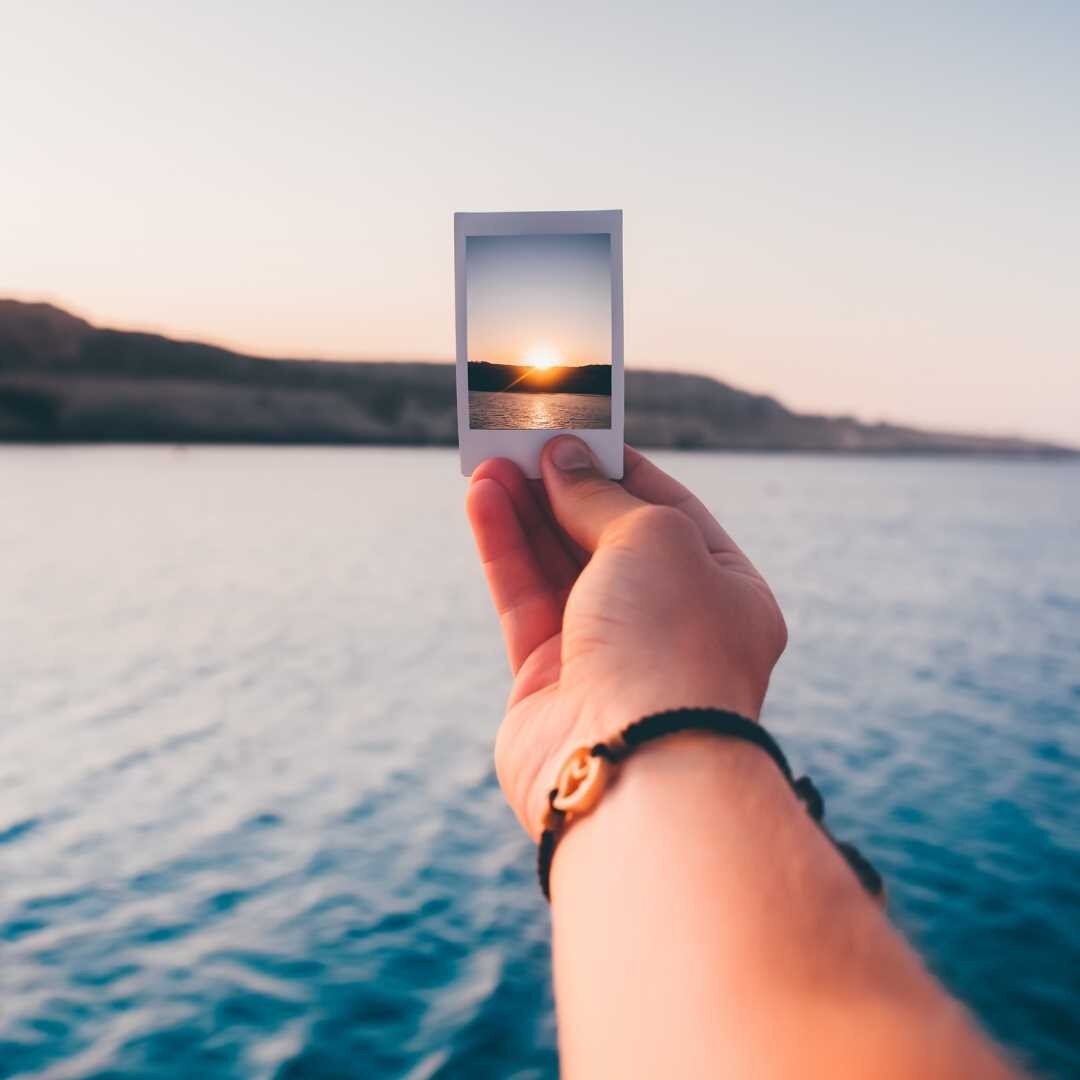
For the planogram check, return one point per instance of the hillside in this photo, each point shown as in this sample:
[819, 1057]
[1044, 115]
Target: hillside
[62, 379]
[513, 378]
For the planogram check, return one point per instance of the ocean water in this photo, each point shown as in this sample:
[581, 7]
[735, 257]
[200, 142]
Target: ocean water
[514, 410]
[249, 825]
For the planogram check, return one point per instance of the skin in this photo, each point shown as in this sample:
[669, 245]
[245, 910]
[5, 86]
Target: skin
[702, 924]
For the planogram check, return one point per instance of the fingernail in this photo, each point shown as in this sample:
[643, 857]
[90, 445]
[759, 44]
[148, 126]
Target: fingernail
[571, 455]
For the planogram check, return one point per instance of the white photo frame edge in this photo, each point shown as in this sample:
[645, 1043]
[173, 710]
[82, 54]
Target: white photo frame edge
[523, 446]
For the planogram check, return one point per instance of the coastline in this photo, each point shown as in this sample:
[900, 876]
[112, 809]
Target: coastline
[63, 380]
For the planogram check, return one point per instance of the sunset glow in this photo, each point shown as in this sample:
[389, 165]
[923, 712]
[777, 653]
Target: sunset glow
[542, 356]
[539, 301]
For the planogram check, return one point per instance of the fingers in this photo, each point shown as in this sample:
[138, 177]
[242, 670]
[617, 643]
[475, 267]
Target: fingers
[651, 484]
[528, 602]
[549, 543]
[584, 501]
[578, 555]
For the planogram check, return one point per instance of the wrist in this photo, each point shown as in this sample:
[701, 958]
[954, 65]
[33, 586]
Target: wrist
[669, 793]
[596, 703]
[602, 718]
[702, 680]
[587, 772]
[616, 713]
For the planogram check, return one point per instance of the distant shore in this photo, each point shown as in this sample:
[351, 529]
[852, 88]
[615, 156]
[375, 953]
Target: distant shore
[519, 379]
[64, 380]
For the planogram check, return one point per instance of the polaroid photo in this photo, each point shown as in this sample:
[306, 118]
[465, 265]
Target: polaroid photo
[539, 335]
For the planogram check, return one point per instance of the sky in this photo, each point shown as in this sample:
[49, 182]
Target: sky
[539, 300]
[860, 208]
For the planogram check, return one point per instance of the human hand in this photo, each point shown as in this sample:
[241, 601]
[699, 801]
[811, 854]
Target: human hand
[617, 600]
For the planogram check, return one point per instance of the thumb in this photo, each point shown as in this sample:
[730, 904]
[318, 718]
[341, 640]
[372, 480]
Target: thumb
[583, 500]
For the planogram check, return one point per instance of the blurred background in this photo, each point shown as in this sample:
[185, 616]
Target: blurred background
[249, 679]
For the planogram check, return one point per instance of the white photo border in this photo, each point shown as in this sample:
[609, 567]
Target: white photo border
[523, 445]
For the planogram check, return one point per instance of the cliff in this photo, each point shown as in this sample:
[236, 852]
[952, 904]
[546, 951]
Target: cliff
[63, 379]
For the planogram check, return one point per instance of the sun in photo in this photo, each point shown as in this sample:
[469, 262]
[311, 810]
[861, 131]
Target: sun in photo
[542, 357]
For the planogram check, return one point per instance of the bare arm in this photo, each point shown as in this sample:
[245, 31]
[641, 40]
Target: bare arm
[703, 925]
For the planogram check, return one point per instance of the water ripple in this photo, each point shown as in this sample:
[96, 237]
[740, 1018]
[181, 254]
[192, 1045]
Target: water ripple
[249, 824]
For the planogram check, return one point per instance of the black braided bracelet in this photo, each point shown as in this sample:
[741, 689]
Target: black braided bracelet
[580, 772]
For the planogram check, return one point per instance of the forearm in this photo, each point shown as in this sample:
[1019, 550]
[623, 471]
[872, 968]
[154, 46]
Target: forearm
[703, 926]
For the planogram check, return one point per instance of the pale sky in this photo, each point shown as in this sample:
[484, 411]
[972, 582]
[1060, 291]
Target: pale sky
[539, 298]
[861, 208]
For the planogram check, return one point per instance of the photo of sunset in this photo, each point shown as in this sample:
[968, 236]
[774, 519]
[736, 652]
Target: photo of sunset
[538, 317]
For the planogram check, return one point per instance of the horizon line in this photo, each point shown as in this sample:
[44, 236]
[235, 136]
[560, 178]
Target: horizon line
[64, 307]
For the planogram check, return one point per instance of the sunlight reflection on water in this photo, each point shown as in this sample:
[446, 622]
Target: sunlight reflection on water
[532, 411]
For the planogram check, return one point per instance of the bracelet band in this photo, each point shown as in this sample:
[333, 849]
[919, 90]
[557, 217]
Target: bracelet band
[586, 771]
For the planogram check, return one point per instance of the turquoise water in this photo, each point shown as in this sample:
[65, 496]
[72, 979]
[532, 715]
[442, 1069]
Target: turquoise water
[248, 821]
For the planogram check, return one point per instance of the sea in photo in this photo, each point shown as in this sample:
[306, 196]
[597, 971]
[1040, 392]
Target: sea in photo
[489, 409]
